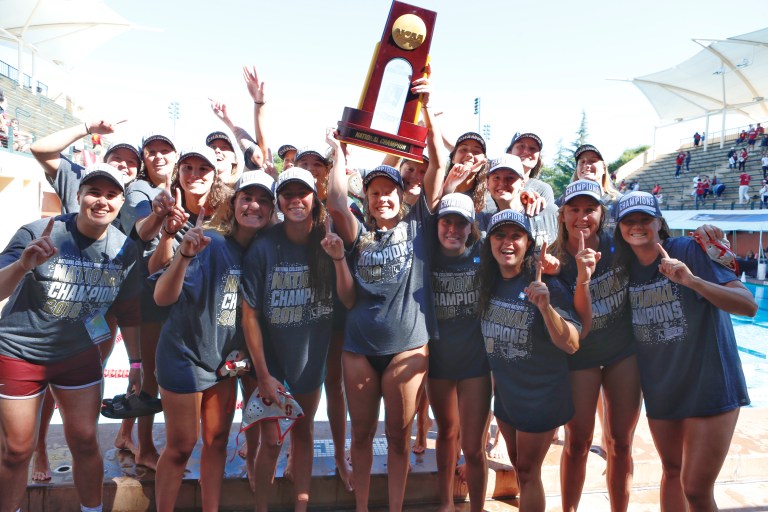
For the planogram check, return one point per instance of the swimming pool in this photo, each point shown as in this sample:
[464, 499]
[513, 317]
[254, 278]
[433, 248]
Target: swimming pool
[752, 338]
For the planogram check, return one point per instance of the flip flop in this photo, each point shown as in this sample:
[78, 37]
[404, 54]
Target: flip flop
[130, 406]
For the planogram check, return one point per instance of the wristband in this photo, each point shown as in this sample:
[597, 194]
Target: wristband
[184, 255]
[134, 361]
[337, 259]
[169, 233]
[259, 102]
[135, 366]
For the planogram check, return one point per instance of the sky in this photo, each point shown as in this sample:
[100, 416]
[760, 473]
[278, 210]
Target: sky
[536, 66]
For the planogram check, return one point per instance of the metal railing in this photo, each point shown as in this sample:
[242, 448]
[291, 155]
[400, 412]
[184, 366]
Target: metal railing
[26, 82]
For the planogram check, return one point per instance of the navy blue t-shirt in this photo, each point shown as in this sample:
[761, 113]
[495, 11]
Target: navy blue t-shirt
[296, 321]
[686, 349]
[394, 309]
[531, 376]
[46, 319]
[611, 338]
[204, 325]
[460, 351]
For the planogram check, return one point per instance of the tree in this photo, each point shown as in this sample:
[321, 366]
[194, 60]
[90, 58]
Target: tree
[564, 166]
[626, 156]
[559, 174]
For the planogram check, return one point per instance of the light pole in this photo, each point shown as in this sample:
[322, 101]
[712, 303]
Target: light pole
[173, 115]
[477, 112]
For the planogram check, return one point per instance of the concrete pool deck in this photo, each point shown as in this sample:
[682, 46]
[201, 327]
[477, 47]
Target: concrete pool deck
[742, 484]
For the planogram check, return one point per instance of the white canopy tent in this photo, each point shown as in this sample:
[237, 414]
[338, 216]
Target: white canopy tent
[728, 75]
[60, 31]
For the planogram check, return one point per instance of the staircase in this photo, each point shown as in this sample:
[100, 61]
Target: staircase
[714, 161]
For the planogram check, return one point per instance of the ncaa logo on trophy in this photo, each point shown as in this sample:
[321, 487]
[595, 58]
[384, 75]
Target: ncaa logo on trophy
[387, 115]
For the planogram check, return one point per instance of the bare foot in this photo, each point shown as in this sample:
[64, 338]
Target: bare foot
[424, 423]
[41, 469]
[461, 472]
[288, 472]
[243, 450]
[124, 437]
[148, 460]
[344, 470]
[249, 467]
[499, 450]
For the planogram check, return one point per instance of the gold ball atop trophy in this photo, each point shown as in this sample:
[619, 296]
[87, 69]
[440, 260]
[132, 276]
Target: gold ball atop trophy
[409, 31]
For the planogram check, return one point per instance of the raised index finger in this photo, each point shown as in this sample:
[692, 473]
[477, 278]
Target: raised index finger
[662, 251]
[581, 241]
[48, 228]
[328, 227]
[200, 218]
[540, 263]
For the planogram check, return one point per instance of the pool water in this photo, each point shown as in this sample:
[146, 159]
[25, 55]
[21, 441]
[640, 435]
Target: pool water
[752, 339]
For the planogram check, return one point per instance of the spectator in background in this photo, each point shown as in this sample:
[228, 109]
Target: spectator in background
[623, 186]
[687, 161]
[744, 179]
[656, 189]
[742, 159]
[751, 137]
[717, 187]
[742, 138]
[760, 131]
[764, 162]
[679, 163]
[21, 140]
[701, 192]
[764, 195]
[696, 139]
[3, 120]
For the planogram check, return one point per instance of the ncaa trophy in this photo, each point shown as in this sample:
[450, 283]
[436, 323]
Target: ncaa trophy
[386, 116]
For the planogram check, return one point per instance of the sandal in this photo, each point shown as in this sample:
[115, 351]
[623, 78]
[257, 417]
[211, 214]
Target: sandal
[130, 406]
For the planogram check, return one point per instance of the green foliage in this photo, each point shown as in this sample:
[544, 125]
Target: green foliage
[626, 156]
[278, 163]
[559, 174]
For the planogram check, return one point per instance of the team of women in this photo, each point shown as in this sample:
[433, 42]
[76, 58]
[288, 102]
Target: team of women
[459, 278]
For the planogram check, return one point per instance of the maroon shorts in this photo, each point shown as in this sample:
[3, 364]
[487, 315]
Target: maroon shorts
[21, 379]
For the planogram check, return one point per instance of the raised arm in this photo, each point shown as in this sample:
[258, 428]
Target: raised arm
[37, 252]
[249, 147]
[564, 334]
[256, 90]
[344, 222]
[433, 178]
[732, 297]
[169, 285]
[586, 262]
[47, 151]
[345, 284]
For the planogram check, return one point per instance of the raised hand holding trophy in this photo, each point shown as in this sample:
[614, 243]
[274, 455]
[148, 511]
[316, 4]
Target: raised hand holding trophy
[386, 117]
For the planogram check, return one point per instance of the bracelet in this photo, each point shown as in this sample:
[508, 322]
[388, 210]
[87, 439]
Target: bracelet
[169, 233]
[583, 283]
[337, 259]
[259, 102]
[87, 129]
[135, 366]
[184, 255]
[134, 361]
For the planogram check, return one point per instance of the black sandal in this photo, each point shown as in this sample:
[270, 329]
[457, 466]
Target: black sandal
[130, 406]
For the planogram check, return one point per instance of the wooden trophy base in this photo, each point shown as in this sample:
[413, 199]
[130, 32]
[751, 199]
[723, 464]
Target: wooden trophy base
[355, 128]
